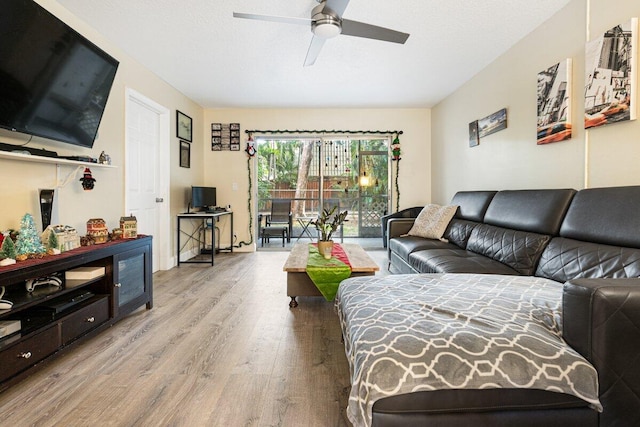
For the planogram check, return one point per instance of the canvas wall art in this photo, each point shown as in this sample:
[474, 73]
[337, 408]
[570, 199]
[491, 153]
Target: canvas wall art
[610, 76]
[474, 138]
[492, 123]
[554, 103]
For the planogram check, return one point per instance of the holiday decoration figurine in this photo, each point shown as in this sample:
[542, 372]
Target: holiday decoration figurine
[116, 234]
[8, 251]
[97, 230]
[395, 149]
[87, 180]
[66, 235]
[53, 245]
[129, 226]
[28, 243]
[104, 159]
[251, 146]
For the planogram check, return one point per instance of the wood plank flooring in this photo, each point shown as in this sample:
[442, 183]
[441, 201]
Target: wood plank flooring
[221, 347]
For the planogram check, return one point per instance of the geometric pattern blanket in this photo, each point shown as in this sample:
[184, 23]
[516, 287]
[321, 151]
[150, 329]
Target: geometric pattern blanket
[417, 332]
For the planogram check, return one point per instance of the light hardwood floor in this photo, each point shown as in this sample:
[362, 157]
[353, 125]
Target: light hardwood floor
[221, 347]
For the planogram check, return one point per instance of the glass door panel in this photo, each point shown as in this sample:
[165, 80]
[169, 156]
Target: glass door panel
[373, 201]
[288, 169]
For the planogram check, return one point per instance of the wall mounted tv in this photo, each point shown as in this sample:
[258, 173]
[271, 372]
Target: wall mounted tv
[203, 198]
[54, 83]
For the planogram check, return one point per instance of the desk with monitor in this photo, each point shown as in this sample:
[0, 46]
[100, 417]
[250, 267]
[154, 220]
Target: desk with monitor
[197, 234]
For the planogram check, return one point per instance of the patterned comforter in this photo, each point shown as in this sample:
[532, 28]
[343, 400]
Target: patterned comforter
[408, 333]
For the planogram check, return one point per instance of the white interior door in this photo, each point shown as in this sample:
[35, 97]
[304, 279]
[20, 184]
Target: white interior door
[147, 154]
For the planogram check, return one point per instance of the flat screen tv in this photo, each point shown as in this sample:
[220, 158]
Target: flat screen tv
[203, 198]
[54, 83]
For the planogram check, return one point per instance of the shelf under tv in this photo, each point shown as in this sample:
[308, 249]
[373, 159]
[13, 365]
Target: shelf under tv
[9, 155]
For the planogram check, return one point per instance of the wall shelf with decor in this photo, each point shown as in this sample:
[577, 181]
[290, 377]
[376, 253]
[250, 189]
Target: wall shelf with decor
[51, 160]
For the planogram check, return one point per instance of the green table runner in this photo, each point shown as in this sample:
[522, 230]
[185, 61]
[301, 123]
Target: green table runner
[326, 274]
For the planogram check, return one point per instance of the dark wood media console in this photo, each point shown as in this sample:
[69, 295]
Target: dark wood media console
[126, 285]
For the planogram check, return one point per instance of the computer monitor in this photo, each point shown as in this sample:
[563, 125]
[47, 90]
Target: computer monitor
[203, 198]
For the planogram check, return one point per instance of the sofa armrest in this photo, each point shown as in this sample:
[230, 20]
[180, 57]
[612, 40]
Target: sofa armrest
[404, 213]
[399, 226]
[601, 320]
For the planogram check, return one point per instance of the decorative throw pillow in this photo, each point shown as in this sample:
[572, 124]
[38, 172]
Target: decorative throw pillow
[432, 221]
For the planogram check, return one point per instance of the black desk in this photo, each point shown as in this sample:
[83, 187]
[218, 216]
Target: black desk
[203, 218]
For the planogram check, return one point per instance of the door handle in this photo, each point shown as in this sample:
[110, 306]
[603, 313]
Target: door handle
[159, 200]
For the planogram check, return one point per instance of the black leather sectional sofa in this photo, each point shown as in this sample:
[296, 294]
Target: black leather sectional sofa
[590, 241]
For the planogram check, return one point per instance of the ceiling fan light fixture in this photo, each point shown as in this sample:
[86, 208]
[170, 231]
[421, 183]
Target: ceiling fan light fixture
[326, 22]
[326, 28]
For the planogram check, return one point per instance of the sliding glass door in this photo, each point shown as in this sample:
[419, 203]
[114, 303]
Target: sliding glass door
[352, 174]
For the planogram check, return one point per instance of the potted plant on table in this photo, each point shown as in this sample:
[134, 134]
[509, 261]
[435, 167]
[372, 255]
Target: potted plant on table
[328, 222]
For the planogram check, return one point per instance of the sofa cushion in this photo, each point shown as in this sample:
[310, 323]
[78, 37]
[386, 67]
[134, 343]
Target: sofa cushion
[472, 205]
[538, 211]
[459, 231]
[567, 259]
[519, 250]
[405, 245]
[605, 215]
[456, 261]
[432, 221]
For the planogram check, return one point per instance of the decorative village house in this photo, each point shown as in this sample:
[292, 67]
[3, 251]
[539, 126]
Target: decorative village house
[129, 227]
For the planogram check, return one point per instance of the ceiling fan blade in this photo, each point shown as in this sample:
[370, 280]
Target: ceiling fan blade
[280, 19]
[338, 6]
[360, 29]
[314, 50]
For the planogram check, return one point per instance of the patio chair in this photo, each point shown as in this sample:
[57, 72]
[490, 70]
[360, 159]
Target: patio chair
[280, 216]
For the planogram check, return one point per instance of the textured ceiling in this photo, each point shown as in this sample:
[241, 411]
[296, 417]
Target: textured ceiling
[220, 61]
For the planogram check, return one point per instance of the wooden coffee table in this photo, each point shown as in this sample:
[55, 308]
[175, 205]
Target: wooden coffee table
[298, 281]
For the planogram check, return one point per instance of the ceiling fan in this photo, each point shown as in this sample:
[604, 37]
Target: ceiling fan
[326, 22]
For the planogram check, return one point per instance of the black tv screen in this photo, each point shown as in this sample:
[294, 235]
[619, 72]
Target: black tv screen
[203, 197]
[54, 83]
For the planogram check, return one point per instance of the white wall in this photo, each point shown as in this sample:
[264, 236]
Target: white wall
[20, 181]
[510, 159]
[224, 168]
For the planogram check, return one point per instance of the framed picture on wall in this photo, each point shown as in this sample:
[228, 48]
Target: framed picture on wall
[611, 76]
[492, 123]
[474, 138]
[184, 126]
[554, 103]
[185, 154]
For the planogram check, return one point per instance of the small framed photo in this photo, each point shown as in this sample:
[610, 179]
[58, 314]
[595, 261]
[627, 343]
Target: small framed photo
[184, 126]
[474, 138]
[185, 154]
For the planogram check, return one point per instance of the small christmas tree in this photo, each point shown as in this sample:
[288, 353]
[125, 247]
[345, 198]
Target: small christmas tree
[28, 240]
[52, 243]
[8, 248]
